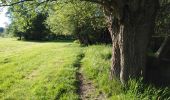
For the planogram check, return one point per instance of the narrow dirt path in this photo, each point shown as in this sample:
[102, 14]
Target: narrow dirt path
[86, 88]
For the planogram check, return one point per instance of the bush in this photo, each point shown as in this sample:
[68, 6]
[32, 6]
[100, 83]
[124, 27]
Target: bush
[88, 35]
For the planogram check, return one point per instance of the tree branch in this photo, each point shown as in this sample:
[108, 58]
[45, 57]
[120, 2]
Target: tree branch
[22, 1]
[11, 4]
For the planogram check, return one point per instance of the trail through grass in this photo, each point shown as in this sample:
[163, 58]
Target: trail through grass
[96, 68]
[64, 71]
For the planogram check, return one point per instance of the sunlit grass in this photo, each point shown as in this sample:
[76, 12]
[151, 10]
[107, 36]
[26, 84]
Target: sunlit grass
[30, 70]
[47, 71]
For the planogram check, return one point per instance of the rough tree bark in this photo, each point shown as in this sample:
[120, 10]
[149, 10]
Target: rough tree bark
[115, 69]
[131, 29]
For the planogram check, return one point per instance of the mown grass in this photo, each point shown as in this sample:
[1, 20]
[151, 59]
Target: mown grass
[47, 71]
[38, 71]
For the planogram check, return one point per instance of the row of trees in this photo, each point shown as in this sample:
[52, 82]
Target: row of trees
[82, 20]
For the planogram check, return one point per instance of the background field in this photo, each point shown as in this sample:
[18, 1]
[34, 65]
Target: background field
[32, 70]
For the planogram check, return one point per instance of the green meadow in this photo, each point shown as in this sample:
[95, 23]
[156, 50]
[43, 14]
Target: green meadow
[34, 70]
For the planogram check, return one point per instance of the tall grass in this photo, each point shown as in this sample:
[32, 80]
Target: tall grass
[96, 67]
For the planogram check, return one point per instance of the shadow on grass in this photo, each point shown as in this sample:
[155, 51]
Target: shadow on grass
[48, 41]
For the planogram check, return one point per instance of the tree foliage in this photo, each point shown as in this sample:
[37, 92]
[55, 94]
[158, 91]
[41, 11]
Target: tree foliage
[163, 18]
[28, 21]
[85, 20]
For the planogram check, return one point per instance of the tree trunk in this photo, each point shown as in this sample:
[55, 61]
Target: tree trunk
[115, 69]
[133, 47]
[130, 34]
[164, 48]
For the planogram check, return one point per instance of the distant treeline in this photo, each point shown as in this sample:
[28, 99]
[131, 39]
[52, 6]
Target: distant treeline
[1, 29]
[83, 21]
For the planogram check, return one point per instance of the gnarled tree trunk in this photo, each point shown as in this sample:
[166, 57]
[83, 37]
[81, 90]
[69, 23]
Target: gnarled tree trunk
[115, 69]
[130, 31]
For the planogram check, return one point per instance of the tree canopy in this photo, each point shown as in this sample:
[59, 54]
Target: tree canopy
[67, 16]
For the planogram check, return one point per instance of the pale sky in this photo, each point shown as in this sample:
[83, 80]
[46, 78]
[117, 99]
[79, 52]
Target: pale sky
[4, 20]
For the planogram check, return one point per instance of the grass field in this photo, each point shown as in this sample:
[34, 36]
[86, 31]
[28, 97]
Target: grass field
[32, 70]
[48, 71]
